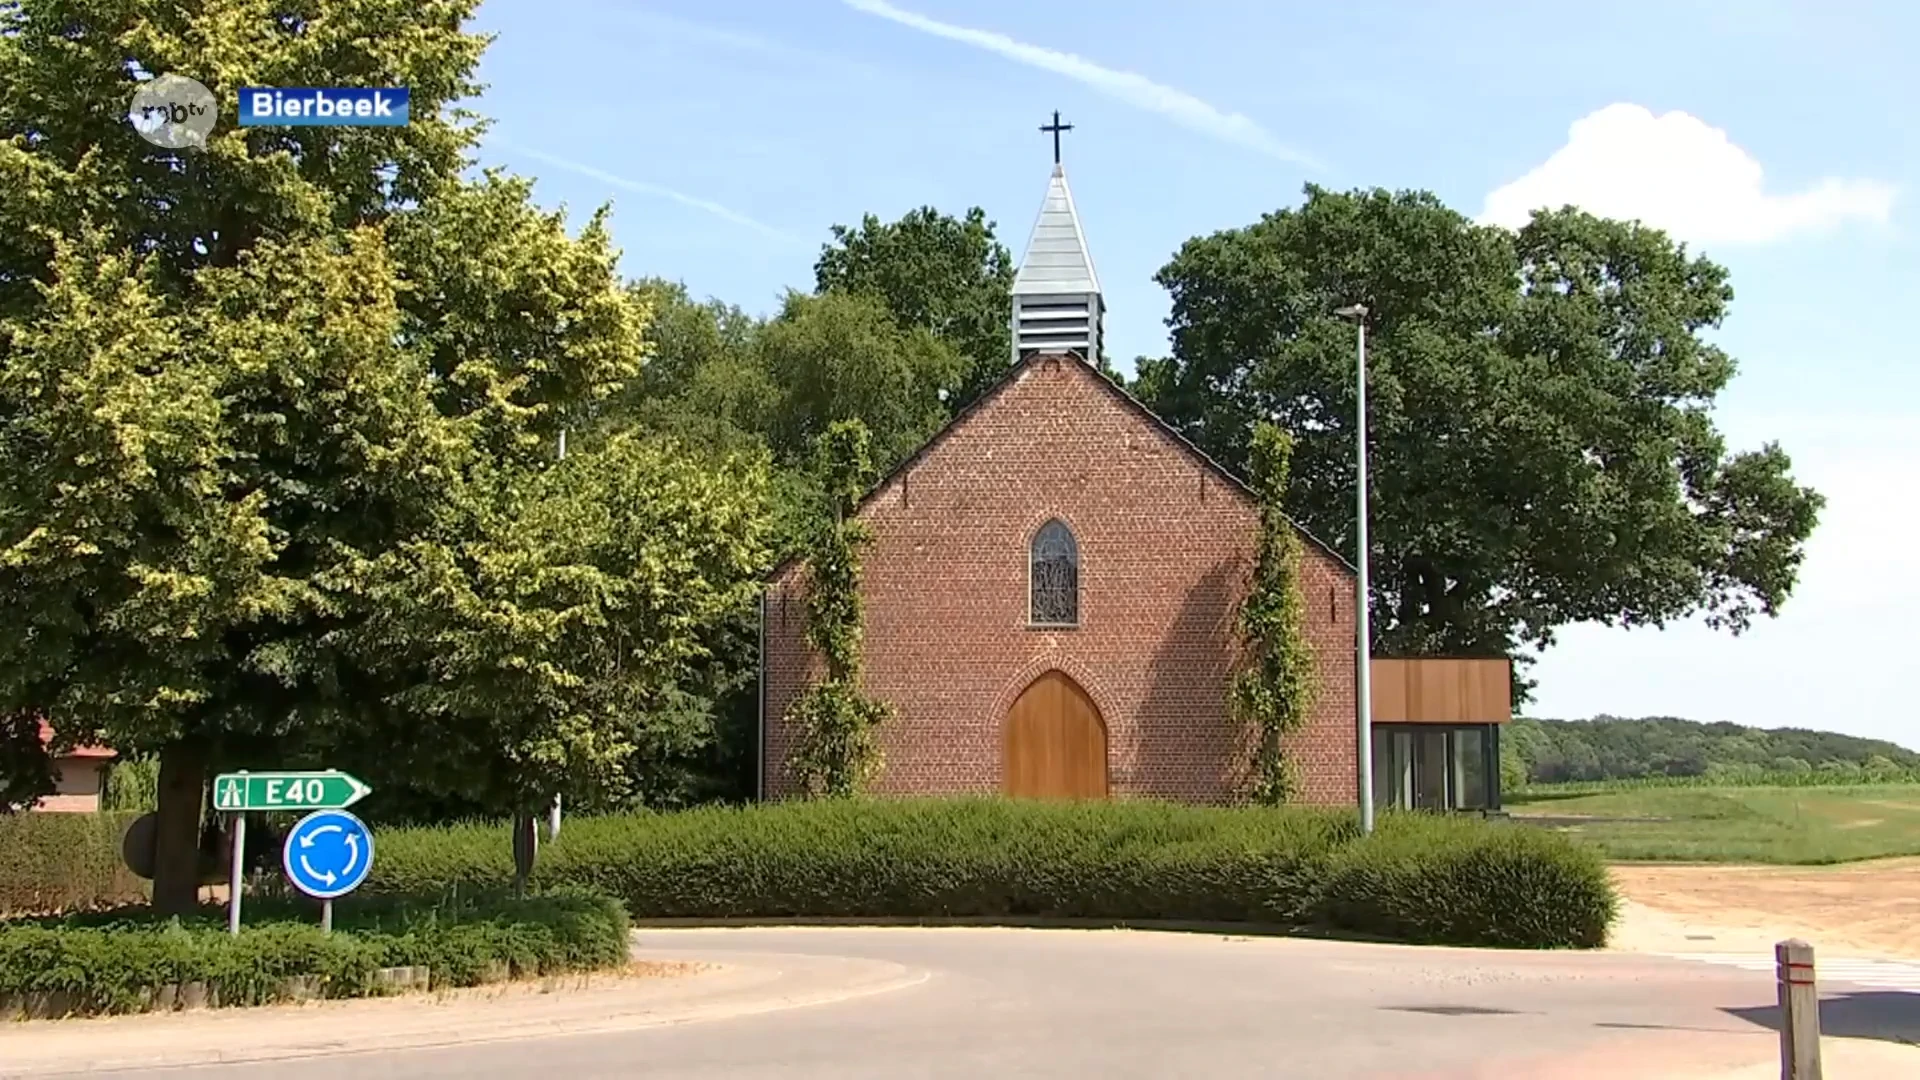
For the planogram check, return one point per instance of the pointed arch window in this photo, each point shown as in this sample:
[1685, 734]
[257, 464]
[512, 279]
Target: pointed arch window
[1053, 577]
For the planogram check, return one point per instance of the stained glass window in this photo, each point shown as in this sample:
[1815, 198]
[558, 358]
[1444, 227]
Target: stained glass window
[1053, 578]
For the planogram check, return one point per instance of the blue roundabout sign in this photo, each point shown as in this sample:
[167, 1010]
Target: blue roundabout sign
[328, 854]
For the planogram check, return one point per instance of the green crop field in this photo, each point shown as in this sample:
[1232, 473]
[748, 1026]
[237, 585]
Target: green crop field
[1792, 825]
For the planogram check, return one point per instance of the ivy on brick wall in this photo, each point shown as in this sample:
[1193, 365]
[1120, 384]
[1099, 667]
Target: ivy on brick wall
[1275, 687]
[837, 753]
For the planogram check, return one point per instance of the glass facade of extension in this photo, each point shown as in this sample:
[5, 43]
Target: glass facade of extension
[1436, 766]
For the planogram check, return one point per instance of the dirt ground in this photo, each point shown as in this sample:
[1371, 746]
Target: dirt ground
[1868, 909]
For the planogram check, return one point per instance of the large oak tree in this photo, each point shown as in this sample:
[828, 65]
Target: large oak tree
[1543, 450]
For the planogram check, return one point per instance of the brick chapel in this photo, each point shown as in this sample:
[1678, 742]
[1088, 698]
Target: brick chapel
[1050, 599]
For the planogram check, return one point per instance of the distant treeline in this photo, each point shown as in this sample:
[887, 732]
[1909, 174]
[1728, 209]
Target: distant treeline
[1616, 748]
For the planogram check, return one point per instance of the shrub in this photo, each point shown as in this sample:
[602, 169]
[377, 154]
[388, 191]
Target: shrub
[132, 784]
[1420, 878]
[60, 862]
[1459, 881]
[117, 961]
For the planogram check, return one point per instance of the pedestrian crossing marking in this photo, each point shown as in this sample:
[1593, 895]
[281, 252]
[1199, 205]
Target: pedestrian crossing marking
[1898, 975]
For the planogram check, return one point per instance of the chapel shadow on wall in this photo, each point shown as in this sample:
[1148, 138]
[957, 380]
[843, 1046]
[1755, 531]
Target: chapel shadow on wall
[1184, 745]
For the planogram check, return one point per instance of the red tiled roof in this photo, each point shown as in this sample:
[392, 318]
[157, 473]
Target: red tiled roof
[94, 752]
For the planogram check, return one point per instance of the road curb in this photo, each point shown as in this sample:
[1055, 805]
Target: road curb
[1012, 922]
[744, 985]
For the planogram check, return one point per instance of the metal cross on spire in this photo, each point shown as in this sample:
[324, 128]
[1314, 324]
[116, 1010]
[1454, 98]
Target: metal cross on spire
[1055, 129]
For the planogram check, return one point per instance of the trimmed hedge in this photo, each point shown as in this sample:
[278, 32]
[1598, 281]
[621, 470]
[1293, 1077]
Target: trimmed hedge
[62, 862]
[1420, 878]
[1442, 880]
[119, 961]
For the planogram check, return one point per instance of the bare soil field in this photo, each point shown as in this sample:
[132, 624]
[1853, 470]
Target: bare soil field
[1856, 909]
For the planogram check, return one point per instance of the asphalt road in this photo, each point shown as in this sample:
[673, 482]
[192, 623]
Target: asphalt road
[1019, 1004]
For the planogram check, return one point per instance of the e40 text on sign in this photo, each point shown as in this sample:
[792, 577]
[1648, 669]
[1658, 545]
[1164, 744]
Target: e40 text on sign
[325, 790]
[323, 106]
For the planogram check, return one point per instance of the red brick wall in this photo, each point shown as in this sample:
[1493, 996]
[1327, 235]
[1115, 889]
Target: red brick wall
[1165, 547]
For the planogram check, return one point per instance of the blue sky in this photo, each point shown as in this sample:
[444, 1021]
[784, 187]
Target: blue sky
[1777, 137]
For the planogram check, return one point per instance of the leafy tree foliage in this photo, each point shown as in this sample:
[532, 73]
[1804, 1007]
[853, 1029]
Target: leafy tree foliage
[841, 357]
[67, 153]
[725, 380]
[949, 276]
[1543, 451]
[175, 482]
[277, 420]
[26, 767]
[141, 528]
[524, 329]
[1275, 689]
[550, 632]
[1614, 748]
[703, 381]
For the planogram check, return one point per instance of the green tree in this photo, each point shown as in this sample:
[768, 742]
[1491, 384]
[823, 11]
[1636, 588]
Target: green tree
[130, 784]
[1620, 748]
[1274, 691]
[1542, 447]
[525, 329]
[703, 382]
[230, 377]
[1734, 773]
[950, 276]
[67, 153]
[1882, 768]
[550, 633]
[164, 508]
[26, 769]
[838, 357]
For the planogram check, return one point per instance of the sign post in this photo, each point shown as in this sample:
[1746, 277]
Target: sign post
[237, 793]
[238, 868]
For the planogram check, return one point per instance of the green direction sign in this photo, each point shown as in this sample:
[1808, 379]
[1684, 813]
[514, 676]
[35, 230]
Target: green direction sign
[327, 790]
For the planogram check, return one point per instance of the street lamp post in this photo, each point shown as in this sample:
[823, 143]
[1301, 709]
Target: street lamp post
[1362, 630]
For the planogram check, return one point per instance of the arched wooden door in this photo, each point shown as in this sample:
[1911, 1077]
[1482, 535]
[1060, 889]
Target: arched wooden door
[1056, 744]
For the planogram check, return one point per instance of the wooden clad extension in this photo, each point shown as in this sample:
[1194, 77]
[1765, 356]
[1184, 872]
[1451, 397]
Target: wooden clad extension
[1442, 691]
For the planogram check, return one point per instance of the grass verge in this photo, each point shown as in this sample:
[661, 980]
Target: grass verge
[1785, 825]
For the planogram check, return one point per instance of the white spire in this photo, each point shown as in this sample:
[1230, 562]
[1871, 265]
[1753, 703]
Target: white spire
[1057, 259]
[1056, 296]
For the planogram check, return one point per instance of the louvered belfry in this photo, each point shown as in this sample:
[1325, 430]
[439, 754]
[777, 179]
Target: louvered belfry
[1057, 306]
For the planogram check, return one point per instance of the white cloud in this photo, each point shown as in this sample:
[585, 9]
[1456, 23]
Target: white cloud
[1677, 173]
[1136, 90]
[642, 187]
